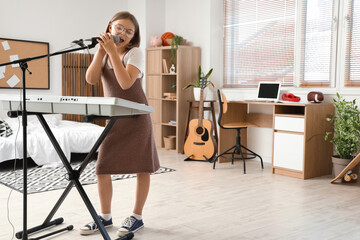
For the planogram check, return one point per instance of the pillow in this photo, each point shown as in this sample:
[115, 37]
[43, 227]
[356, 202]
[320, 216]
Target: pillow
[5, 129]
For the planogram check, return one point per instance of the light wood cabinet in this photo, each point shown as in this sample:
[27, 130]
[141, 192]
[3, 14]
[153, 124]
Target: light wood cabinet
[299, 147]
[169, 116]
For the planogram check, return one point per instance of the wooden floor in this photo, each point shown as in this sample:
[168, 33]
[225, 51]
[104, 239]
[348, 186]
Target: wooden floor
[197, 202]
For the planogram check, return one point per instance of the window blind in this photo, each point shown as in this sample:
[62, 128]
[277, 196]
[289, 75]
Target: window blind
[352, 59]
[259, 39]
[316, 47]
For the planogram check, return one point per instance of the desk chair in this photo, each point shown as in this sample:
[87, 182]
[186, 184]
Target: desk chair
[237, 148]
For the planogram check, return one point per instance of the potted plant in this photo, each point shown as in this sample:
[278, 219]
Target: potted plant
[175, 42]
[346, 133]
[196, 85]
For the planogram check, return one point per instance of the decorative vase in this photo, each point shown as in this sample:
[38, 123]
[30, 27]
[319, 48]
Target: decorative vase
[197, 91]
[172, 69]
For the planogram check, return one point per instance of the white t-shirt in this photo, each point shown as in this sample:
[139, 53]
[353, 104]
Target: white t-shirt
[134, 57]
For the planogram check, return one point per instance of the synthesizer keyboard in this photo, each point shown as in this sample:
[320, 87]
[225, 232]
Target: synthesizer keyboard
[100, 106]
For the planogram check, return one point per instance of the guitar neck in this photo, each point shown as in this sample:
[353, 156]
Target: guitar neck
[201, 107]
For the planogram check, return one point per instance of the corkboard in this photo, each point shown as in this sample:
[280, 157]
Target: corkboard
[11, 76]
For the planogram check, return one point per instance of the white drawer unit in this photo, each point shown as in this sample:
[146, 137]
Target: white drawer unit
[293, 124]
[288, 151]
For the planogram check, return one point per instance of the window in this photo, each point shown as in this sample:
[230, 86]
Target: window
[317, 43]
[259, 41]
[352, 51]
[296, 42]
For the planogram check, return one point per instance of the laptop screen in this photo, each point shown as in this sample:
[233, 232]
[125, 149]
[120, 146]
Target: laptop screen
[268, 90]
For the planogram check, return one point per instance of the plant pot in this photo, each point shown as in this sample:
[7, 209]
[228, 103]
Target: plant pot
[197, 93]
[183, 42]
[339, 164]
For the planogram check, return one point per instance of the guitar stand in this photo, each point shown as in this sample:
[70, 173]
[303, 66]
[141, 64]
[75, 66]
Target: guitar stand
[73, 176]
[210, 160]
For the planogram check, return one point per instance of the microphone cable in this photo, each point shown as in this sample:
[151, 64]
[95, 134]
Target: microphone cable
[14, 170]
[71, 46]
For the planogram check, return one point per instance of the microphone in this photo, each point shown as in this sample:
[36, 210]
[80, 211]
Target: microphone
[128, 236]
[93, 41]
[115, 37]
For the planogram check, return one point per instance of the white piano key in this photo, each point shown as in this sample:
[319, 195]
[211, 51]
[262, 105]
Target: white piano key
[101, 106]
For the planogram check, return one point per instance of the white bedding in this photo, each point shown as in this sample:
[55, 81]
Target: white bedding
[73, 137]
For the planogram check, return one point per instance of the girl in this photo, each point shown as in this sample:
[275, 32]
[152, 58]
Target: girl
[129, 147]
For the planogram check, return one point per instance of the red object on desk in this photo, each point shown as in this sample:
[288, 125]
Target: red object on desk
[290, 97]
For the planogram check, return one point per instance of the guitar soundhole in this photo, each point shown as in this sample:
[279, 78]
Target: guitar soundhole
[199, 130]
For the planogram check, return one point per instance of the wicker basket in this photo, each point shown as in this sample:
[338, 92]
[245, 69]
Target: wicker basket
[170, 142]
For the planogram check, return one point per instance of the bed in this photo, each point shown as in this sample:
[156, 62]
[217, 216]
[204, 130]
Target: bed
[73, 137]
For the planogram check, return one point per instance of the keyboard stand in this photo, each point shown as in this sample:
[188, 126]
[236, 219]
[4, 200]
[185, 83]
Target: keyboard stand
[73, 174]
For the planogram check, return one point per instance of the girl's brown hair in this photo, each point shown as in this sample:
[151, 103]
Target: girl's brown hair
[135, 41]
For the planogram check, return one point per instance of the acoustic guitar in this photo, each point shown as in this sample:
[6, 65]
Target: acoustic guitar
[200, 143]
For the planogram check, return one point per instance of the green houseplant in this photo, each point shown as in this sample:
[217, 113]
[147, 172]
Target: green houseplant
[199, 76]
[175, 42]
[196, 84]
[346, 133]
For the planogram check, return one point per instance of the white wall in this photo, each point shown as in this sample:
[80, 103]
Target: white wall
[155, 19]
[215, 54]
[191, 20]
[200, 23]
[138, 9]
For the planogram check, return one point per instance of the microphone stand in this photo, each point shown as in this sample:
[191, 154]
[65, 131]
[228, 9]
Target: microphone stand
[24, 67]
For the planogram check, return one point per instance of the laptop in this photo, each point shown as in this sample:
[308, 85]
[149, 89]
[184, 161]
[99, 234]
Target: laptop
[268, 91]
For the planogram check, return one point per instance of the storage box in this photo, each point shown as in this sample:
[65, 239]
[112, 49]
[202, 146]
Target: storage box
[170, 95]
[170, 142]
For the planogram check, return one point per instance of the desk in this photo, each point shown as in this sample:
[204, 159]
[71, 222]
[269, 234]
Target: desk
[299, 149]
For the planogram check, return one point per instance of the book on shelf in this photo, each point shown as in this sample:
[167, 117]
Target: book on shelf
[170, 95]
[165, 68]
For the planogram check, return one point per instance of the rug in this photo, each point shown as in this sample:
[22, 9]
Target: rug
[44, 179]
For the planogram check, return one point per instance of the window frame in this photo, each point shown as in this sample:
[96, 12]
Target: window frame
[337, 83]
[230, 85]
[300, 45]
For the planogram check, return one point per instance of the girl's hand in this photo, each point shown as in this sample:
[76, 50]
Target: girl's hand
[107, 43]
[101, 49]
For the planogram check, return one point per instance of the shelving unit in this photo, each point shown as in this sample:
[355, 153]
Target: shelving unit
[159, 82]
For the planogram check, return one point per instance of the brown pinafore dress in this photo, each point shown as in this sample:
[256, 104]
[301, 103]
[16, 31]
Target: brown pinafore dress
[129, 147]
